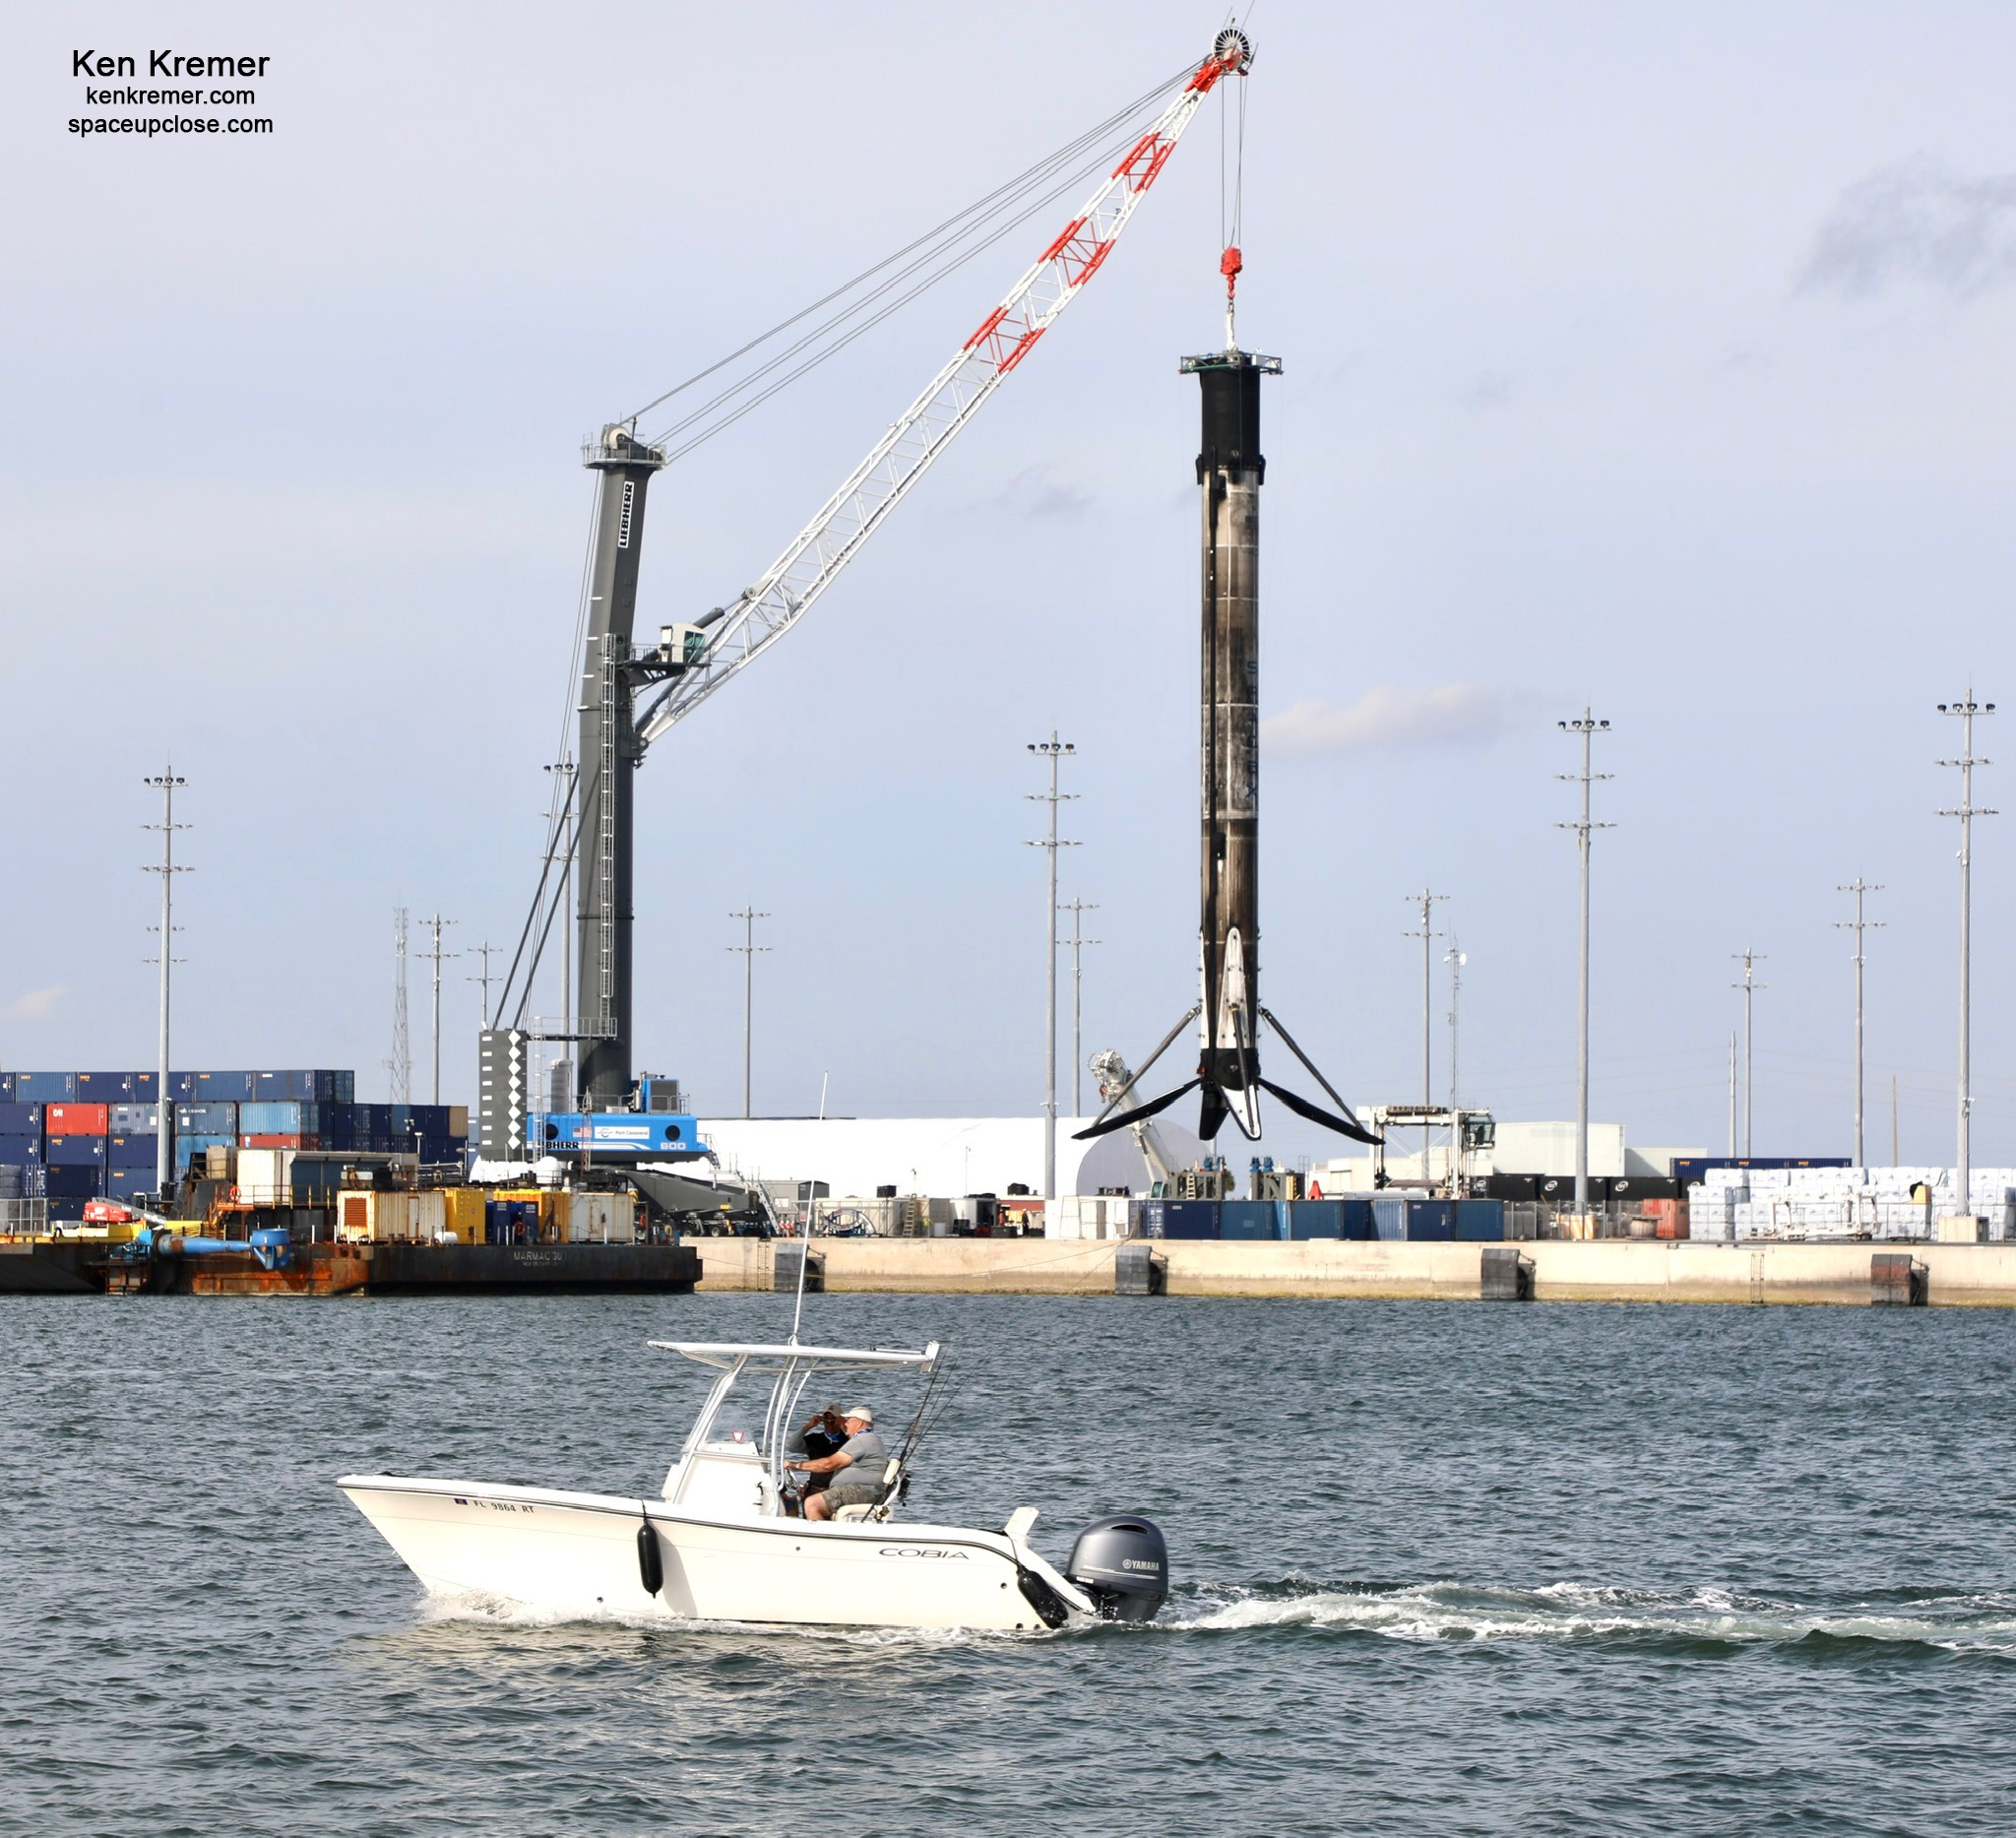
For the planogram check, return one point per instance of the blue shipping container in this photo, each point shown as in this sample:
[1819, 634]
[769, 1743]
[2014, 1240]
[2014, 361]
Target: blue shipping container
[1315, 1218]
[193, 1148]
[1189, 1219]
[21, 1119]
[75, 1151]
[302, 1085]
[207, 1120]
[223, 1087]
[288, 1119]
[45, 1088]
[84, 1183]
[20, 1151]
[1479, 1221]
[182, 1088]
[134, 1119]
[1246, 1219]
[105, 1086]
[6, 1088]
[1389, 1217]
[1357, 1217]
[68, 1210]
[1432, 1220]
[132, 1151]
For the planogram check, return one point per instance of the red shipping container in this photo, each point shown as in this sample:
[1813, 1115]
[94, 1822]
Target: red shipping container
[76, 1119]
[280, 1142]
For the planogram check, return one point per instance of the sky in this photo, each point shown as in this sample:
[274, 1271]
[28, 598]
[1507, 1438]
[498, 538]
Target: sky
[1646, 359]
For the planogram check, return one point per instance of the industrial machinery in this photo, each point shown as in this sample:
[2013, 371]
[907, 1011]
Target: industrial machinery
[690, 663]
[1109, 1068]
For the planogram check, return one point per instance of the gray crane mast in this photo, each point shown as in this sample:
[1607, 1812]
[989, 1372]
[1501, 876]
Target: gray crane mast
[605, 833]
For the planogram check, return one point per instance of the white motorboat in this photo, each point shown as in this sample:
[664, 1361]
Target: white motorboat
[725, 1540]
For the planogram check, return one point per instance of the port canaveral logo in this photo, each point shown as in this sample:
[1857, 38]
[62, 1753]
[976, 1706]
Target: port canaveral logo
[620, 1132]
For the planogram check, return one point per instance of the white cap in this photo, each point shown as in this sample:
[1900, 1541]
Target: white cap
[862, 1412]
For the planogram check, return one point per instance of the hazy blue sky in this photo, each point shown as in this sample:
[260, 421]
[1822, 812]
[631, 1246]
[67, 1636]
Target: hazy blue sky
[1650, 358]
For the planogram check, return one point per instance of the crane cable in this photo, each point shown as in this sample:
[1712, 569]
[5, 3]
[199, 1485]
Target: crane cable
[949, 230]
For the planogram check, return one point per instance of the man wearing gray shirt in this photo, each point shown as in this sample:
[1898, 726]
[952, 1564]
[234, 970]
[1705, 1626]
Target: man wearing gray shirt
[857, 1468]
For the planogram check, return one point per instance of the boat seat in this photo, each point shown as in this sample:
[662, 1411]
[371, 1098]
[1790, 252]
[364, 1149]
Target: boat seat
[854, 1515]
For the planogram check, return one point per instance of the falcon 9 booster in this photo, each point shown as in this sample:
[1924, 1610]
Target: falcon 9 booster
[1231, 470]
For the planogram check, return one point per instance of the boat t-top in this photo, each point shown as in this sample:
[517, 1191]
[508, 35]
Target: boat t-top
[727, 1538]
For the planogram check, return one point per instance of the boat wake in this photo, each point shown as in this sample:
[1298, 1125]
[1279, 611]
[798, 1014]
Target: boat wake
[1449, 1611]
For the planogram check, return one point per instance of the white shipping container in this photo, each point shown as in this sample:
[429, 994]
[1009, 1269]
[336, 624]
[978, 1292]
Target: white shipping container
[602, 1219]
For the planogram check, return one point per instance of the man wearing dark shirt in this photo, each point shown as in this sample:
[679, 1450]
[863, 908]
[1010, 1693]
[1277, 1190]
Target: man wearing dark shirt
[854, 1471]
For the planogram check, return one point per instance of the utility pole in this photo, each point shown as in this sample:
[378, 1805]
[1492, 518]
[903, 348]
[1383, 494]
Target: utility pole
[1428, 903]
[483, 951]
[1967, 811]
[1588, 729]
[400, 1064]
[1749, 987]
[1858, 887]
[1078, 942]
[437, 955]
[749, 949]
[1455, 958]
[164, 1110]
[1732, 1096]
[1052, 750]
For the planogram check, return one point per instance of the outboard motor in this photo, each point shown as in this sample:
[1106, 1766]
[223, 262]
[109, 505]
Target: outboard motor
[1123, 1566]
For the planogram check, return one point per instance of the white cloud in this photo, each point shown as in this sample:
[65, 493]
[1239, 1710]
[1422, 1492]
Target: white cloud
[1389, 716]
[1917, 221]
[37, 1004]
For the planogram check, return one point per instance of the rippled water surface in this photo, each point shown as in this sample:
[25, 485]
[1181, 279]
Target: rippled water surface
[1439, 1569]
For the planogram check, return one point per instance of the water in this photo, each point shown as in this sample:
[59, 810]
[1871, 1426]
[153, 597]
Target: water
[1440, 1570]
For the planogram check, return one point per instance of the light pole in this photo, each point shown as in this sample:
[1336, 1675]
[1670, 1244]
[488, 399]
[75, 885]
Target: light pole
[1588, 727]
[1051, 750]
[1428, 903]
[1078, 942]
[1967, 811]
[164, 1110]
[1749, 987]
[483, 951]
[748, 950]
[1858, 887]
[1455, 958]
[437, 956]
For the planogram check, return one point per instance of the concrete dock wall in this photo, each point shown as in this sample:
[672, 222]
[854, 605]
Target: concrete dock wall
[1617, 1269]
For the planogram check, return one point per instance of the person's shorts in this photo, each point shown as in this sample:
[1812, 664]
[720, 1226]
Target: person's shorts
[855, 1495]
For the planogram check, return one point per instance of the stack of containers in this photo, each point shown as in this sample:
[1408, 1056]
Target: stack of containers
[81, 1137]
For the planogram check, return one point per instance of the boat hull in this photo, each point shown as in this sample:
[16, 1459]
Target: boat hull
[575, 1556]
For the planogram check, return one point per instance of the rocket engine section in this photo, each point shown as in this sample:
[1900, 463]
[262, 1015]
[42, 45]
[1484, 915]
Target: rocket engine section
[1231, 470]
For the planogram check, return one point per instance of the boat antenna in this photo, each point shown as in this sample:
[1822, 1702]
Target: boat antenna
[805, 1257]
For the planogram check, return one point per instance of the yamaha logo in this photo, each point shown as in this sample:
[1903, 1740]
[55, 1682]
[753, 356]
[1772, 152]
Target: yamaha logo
[918, 1550]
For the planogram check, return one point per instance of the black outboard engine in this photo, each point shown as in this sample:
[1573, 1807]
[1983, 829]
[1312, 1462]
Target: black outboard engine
[1123, 1566]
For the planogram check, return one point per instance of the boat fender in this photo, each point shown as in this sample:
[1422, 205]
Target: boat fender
[1048, 1605]
[651, 1568]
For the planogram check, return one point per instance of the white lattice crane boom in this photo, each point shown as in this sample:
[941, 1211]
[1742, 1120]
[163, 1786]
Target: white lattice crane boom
[768, 608]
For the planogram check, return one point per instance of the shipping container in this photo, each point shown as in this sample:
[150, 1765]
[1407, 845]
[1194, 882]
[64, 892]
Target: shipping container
[182, 1088]
[1315, 1218]
[76, 1119]
[1433, 1221]
[134, 1119]
[221, 1088]
[463, 1213]
[1688, 1170]
[21, 1119]
[194, 1147]
[1522, 1188]
[67, 1210]
[133, 1151]
[458, 1121]
[45, 1088]
[1479, 1221]
[1357, 1217]
[602, 1219]
[20, 1151]
[207, 1120]
[277, 1139]
[106, 1087]
[285, 1118]
[6, 1088]
[1389, 1217]
[74, 1151]
[303, 1086]
[1190, 1219]
[84, 1183]
[1247, 1220]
